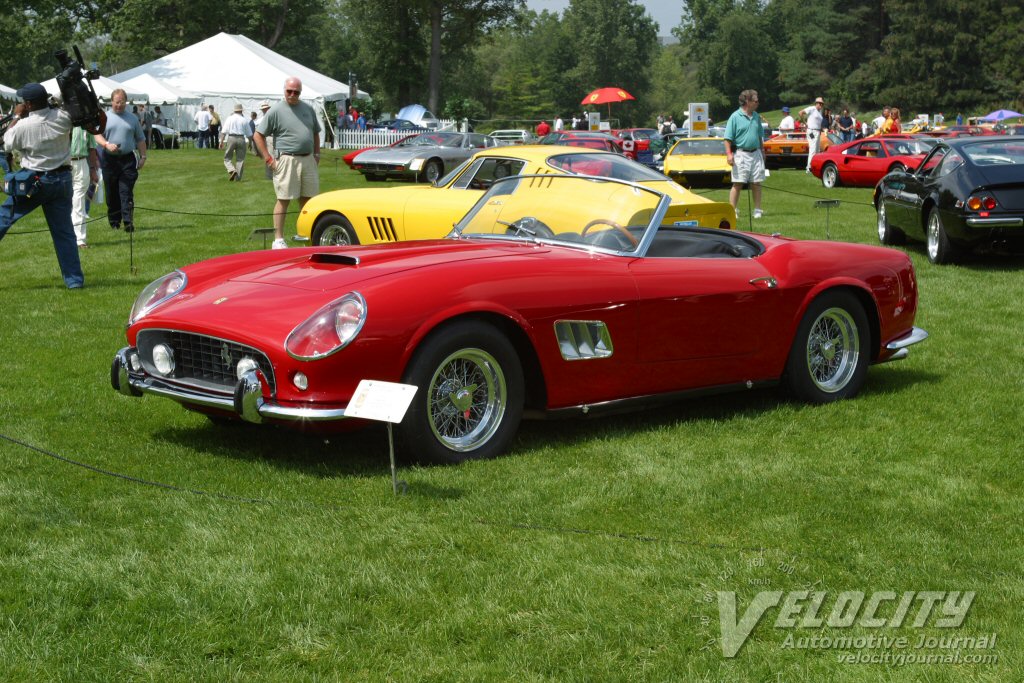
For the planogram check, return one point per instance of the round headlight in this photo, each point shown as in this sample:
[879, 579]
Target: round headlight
[156, 293]
[329, 329]
[245, 365]
[163, 359]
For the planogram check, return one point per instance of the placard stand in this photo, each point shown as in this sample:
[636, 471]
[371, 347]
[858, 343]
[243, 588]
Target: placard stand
[383, 402]
[826, 204]
[262, 231]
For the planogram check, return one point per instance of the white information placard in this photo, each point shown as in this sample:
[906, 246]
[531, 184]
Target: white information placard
[381, 401]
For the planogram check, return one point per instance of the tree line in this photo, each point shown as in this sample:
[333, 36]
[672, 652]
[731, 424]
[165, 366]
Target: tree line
[497, 60]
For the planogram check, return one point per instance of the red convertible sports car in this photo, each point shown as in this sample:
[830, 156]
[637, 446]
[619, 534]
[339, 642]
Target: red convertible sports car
[864, 162]
[554, 296]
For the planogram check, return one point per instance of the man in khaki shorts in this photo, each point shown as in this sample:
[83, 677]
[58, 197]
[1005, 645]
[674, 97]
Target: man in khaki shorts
[295, 129]
[744, 138]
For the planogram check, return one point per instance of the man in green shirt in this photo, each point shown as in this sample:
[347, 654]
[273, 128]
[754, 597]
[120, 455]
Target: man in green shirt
[295, 129]
[744, 135]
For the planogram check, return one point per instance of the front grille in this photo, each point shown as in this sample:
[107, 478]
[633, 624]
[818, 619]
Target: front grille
[383, 229]
[202, 361]
[381, 168]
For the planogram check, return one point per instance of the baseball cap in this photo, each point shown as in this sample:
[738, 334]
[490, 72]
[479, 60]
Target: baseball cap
[32, 91]
[785, 109]
[818, 99]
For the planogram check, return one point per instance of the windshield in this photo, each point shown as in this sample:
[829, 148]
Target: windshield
[910, 146]
[609, 165]
[434, 140]
[997, 152]
[591, 213]
[694, 147]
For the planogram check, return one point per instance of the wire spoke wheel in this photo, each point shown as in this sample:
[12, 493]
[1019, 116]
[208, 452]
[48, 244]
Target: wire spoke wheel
[833, 350]
[467, 398]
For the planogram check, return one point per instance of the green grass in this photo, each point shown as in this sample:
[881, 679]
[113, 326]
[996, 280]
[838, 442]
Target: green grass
[588, 553]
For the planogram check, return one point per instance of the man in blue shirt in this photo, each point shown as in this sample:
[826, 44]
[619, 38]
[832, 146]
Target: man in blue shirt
[744, 151]
[118, 142]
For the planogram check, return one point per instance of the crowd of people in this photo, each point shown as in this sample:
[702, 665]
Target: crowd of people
[62, 164]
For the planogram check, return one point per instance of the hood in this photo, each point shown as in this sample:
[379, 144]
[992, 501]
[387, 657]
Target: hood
[388, 155]
[329, 269]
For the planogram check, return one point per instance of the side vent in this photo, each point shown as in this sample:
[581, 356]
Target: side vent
[383, 229]
[583, 339]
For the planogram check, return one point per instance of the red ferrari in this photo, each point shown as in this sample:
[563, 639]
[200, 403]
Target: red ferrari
[862, 163]
[554, 296]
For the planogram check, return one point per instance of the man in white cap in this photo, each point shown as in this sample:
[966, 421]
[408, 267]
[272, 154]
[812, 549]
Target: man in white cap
[815, 120]
[233, 140]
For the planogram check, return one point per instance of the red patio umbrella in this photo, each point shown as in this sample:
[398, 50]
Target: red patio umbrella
[607, 96]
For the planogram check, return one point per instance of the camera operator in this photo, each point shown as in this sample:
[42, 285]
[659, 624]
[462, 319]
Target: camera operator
[42, 135]
[119, 140]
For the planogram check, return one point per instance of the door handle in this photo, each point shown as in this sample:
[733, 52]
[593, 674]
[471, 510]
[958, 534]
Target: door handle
[765, 282]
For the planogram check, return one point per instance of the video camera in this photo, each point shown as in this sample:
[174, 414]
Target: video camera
[76, 90]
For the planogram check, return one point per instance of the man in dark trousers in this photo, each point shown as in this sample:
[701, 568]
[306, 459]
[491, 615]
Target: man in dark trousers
[119, 141]
[42, 136]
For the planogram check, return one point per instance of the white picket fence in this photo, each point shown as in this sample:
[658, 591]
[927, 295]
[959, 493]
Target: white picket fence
[357, 139]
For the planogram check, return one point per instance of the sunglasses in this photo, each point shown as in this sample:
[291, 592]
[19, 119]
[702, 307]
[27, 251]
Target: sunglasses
[292, 92]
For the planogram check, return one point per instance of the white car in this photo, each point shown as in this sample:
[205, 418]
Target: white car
[514, 136]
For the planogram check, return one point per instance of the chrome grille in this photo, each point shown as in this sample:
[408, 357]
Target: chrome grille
[202, 361]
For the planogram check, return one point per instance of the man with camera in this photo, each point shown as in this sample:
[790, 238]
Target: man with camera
[42, 136]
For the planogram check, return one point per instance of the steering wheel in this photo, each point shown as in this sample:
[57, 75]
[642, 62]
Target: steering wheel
[528, 225]
[612, 224]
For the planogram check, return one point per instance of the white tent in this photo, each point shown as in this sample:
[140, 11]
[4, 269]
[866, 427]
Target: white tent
[226, 69]
[8, 93]
[103, 87]
[160, 92]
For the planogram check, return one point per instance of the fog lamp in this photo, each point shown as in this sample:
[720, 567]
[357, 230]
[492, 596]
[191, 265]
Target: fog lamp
[300, 381]
[163, 359]
[245, 365]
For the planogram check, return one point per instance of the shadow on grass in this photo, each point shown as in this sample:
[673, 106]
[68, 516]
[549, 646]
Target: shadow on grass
[991, 261]
[724, 407]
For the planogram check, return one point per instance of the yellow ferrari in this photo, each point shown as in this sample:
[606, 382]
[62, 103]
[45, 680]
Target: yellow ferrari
[698, 162]
[393, 214]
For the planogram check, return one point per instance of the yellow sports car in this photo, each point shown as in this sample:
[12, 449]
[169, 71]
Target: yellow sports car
[698, 162]
[393, 214]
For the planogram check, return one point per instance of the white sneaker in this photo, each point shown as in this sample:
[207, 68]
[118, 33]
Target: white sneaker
[758, 213]
[279, 244]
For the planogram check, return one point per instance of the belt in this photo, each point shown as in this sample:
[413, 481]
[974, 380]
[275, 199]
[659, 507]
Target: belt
[744, 149]
[78, 158]
[57, 171]
[293, 154]
[236, 135]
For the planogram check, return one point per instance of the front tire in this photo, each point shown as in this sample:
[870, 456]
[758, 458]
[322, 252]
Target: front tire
[432, 172]
[470, 395]
[940, 250]
[829, 357]
[886, 233]
[830, 176]
[333, 230]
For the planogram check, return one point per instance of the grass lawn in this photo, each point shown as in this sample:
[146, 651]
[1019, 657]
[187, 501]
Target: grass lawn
[594, 551]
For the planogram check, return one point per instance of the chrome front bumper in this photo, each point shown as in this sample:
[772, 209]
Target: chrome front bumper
[900, 346]
[251, 399]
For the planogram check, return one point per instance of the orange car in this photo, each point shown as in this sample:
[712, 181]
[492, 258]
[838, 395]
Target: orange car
[789, 150]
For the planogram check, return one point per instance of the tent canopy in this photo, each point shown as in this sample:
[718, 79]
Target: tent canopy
[103, 87]
[8, 93]
[160, 92]
[234, 67]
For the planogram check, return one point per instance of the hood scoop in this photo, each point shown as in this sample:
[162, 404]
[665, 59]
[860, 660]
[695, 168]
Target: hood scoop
[335, 259]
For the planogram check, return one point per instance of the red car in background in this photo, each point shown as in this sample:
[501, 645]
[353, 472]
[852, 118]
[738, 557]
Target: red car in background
[582, 138]
[640, 144]
[351, 156]
[862, 163]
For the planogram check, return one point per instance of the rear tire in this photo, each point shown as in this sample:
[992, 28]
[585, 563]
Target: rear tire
[886, 233]
[470, 395]
[333, 230]
[829, 357]
[830, 175]
[940, 250]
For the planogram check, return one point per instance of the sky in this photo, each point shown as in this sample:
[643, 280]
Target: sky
[666, 13]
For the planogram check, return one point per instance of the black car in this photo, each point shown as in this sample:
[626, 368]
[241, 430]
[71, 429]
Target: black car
[968, 193]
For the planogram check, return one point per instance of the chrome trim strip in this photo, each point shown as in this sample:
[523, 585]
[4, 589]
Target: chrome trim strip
[916, 335]
[995, 222]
